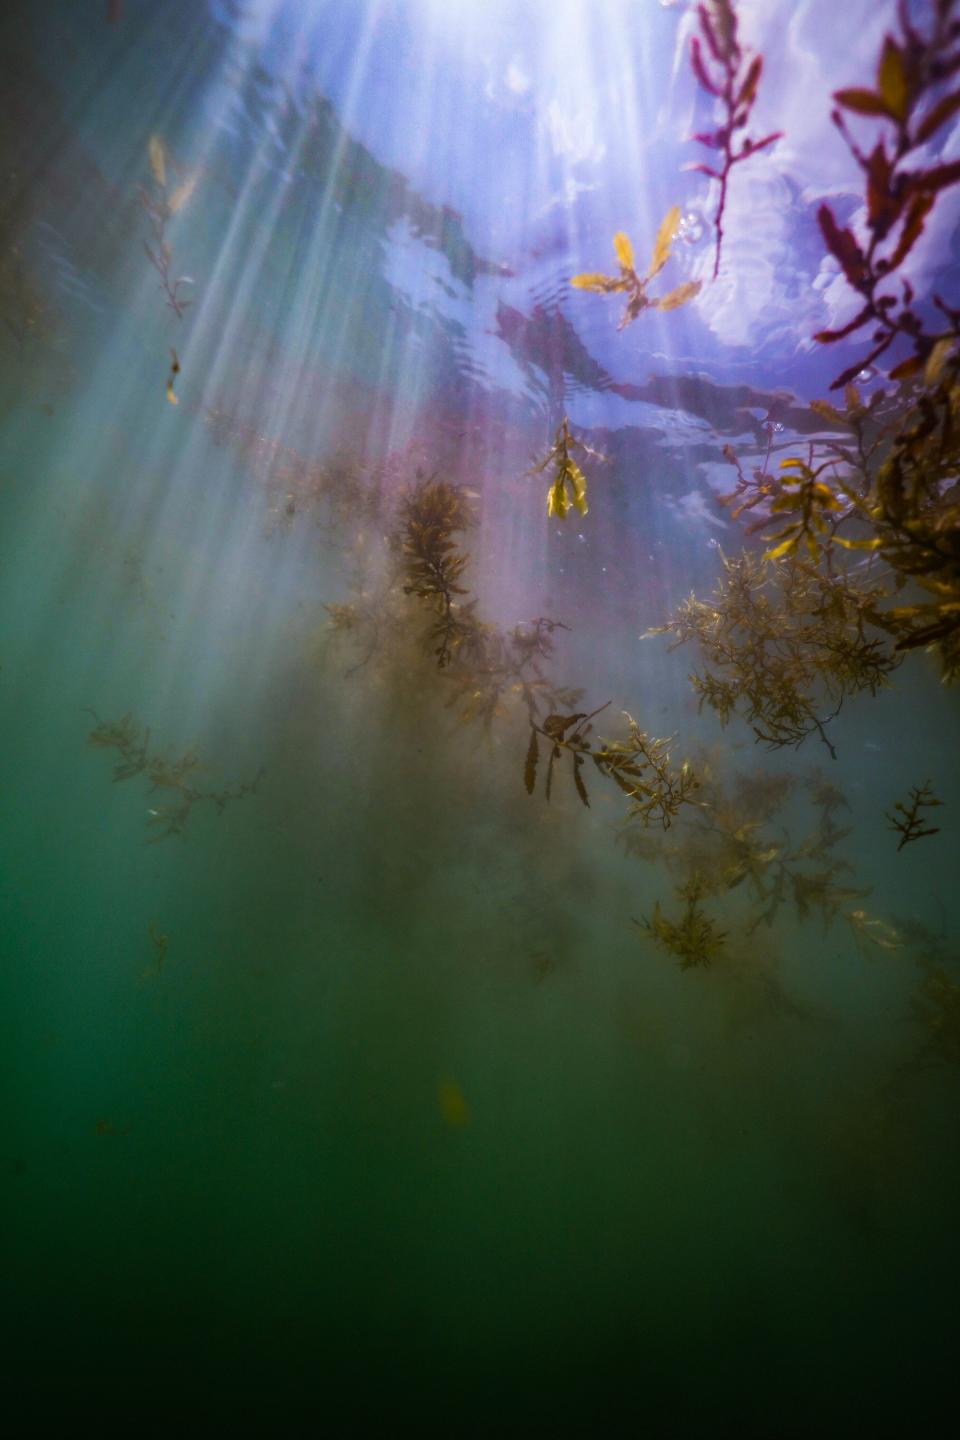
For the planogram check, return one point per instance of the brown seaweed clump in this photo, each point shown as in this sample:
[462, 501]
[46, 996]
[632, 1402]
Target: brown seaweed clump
[695, 939]
[784, 643]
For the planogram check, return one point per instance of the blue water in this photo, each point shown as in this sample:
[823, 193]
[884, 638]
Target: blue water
[354, 1096]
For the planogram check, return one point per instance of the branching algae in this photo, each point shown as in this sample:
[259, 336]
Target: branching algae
[719, 62]
[164, 772]
[694, 939]
[784, 642]
[161, 204]
[908, 821]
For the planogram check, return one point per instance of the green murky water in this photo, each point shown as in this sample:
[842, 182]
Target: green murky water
[343, 1088]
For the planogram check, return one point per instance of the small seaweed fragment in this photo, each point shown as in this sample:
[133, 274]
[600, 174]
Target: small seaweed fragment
[160, 943]
[868, 930]
[161, 204]
[728, 77]
[222, 798]
[109, 1127]
[531, 761]
[909, 823]
[755, 490]
[174, 372]
[630, 283]
[695, 939]
[125, 737]
[569, 489]
[562, 732]
[641, 766]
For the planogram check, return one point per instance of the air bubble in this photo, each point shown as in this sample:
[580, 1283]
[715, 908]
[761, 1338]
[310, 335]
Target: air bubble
[692, 228]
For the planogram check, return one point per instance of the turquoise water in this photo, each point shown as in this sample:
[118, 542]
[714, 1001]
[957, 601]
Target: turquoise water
[352, 1094]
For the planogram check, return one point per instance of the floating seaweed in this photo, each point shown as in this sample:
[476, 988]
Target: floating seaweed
[433, 563]
[734, 840]
[486, 667]
[908, 821]
[724, 72]
[161, 204]
[171, 378]
[694, 939]
[569, 488]
[160, 941]
[629, 282]
[784, 641]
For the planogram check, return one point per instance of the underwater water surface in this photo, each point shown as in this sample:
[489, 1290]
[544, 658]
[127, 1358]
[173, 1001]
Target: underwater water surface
[430, 997]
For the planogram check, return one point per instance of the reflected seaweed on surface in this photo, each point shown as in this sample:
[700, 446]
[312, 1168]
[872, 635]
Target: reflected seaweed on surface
[635, 286]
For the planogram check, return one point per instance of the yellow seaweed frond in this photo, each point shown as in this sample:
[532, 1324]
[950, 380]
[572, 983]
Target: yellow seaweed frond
[183, 192]
[680, 296]
[621, 243]
[661, 249]
[158, 160]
